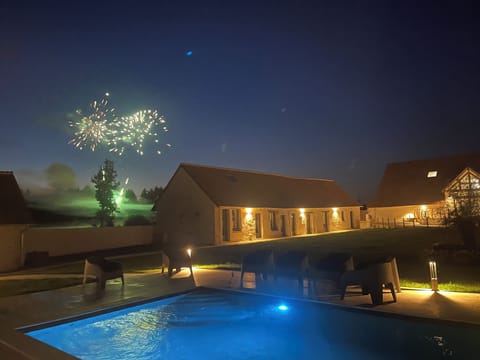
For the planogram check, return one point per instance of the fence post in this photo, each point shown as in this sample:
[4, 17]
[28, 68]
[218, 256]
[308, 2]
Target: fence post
[403, 221]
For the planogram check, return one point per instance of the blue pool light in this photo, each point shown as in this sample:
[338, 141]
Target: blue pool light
[282, 307]
[189, 52]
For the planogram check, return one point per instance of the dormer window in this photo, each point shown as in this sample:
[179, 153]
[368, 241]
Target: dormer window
[432, 174]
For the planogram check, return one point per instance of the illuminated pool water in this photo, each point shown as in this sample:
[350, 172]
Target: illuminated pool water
[216, 324]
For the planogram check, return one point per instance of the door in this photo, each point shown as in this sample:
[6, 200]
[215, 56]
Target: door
[293, 224]
[325, 221]
[225, 225]
[283, 225]
[351, 220]
[309, 223]
[258, 225]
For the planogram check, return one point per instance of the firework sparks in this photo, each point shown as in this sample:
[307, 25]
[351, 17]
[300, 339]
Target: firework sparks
[93, 129]
[121, 193]
[132, 131]
[103, 127]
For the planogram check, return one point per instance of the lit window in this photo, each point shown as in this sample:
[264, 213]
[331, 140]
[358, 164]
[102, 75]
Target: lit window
[236, 220]
[432, 174]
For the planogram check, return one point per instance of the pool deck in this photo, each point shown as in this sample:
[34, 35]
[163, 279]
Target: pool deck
[36, 308]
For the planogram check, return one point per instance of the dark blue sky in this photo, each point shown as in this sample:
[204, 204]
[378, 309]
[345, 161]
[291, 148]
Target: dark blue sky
[327, 89]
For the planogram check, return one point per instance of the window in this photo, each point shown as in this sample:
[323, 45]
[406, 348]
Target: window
[343, 215]
[236, 220]
[273, 220]
[432, 174]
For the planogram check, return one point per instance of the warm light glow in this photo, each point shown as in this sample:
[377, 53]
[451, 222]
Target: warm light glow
[433, 275]
[432, 174]
[248, 215]
[189, 252]
[302, 213]
[335, 211]
[410, 216]
[423, 207]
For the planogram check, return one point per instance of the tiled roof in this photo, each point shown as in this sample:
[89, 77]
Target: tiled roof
[230, 187]
[406, 183]
[12, 205]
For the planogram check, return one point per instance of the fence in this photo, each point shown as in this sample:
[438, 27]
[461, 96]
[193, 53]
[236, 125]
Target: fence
[395, 223]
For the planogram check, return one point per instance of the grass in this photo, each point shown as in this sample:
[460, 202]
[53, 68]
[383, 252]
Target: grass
[19, 287]
[409, 246]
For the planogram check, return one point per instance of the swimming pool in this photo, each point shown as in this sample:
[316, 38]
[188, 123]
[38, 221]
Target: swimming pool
[220, 324]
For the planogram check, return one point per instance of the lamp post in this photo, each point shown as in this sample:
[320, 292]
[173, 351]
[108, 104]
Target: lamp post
[433, 275]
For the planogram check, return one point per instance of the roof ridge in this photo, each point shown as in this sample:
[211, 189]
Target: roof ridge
[436, 158]
[257, 172]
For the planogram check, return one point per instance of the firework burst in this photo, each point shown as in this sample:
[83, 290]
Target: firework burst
[132, 131]
[94, 129]
[117, 133]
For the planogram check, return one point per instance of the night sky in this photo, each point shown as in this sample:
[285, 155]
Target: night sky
[324, 89]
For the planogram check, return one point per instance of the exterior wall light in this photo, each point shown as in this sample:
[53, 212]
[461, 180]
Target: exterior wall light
[189, 252]
[433, 275]
[335, 212]
[248, 212]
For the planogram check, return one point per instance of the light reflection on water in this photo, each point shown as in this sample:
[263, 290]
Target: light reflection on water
[221, 325]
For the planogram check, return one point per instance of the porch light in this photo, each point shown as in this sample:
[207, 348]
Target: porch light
[423, 207]
[249, 213]
[335, 211]
[433, 275]
[302, 213]
[189, 252]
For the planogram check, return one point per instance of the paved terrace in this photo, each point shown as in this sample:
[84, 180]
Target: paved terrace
[35, 308]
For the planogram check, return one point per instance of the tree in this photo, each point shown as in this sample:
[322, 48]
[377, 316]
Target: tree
[61, 177]
[105, 184]
[151, 195]
[130, 195]
[464, 215]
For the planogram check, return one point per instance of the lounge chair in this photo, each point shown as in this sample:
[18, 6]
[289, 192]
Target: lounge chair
[102, 269]
[259, 262]
[329, 268]
[372, 277]
[174, 258]
[292, 265]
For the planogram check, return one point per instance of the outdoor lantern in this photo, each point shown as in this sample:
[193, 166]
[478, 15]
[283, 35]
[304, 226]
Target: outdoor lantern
[189, 252]
[433, 275]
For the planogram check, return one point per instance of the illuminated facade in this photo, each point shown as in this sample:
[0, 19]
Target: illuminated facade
[423, 192]
[208, 205]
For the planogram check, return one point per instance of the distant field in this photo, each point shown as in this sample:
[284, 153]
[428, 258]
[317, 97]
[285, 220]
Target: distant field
[81, 211]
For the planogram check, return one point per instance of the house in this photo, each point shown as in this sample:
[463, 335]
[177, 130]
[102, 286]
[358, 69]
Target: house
[204, 205]
[424, 191]
[14, 219]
